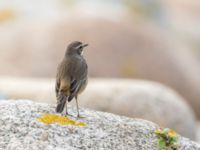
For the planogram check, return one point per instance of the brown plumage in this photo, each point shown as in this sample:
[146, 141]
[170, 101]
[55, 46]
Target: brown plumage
[71, 77]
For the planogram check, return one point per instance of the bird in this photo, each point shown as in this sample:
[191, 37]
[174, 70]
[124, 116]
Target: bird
[71, 77]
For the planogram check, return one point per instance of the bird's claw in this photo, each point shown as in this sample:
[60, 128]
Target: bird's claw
[80, 117]
[67, 114]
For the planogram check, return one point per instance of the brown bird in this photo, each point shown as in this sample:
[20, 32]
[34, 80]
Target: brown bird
[71, 77]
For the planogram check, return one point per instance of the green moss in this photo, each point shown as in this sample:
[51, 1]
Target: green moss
[167, 139]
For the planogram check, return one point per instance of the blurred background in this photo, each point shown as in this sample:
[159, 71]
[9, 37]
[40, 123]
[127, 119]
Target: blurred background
[133, 39]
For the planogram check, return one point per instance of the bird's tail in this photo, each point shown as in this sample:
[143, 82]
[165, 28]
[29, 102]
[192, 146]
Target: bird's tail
[61, 98]
[70, 98]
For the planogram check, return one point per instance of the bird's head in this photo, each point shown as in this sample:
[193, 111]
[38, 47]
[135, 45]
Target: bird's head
[75, 48]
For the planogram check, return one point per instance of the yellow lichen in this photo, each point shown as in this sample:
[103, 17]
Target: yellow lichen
[166, 131]
[51, 119]
[172, 133]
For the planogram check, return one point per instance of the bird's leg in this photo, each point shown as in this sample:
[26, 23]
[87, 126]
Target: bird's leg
[77, 107]
[67, 114]
[66, 108]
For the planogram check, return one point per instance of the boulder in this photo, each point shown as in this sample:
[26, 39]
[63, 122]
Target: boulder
[133, 98]
[20, 130]
[37, 89]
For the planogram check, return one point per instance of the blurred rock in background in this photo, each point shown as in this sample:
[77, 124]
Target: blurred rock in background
[3, 96]
[198, 133]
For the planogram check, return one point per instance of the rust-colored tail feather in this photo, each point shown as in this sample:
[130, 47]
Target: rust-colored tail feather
[61, 98]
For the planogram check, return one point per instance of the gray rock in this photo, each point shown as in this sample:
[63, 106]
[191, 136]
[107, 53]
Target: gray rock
[141, 99]
[21, 130]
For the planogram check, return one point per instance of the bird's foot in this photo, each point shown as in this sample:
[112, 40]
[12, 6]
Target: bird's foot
[67, 114]
[80, 116]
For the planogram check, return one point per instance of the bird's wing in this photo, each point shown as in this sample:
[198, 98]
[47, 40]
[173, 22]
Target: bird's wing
[57, 86]
[59, 97]
[62, 80]
[61, 88]
[78, 77]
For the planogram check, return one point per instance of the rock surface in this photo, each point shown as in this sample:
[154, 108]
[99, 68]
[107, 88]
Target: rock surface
[21, 130]
[132, 98]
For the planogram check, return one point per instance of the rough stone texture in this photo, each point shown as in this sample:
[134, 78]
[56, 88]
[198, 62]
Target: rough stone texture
[20, 130]
[132, 98]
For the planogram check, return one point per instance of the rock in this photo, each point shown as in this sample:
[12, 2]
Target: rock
[182, 12]
[141, 99]
[3, 96]
[21, 130]
[132, 98]
[28, 88]
[198, 132]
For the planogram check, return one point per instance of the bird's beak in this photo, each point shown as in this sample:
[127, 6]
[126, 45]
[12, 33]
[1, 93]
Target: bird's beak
[85, 45]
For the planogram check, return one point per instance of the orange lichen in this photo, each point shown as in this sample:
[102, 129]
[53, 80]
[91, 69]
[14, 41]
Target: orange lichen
[51, 119]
